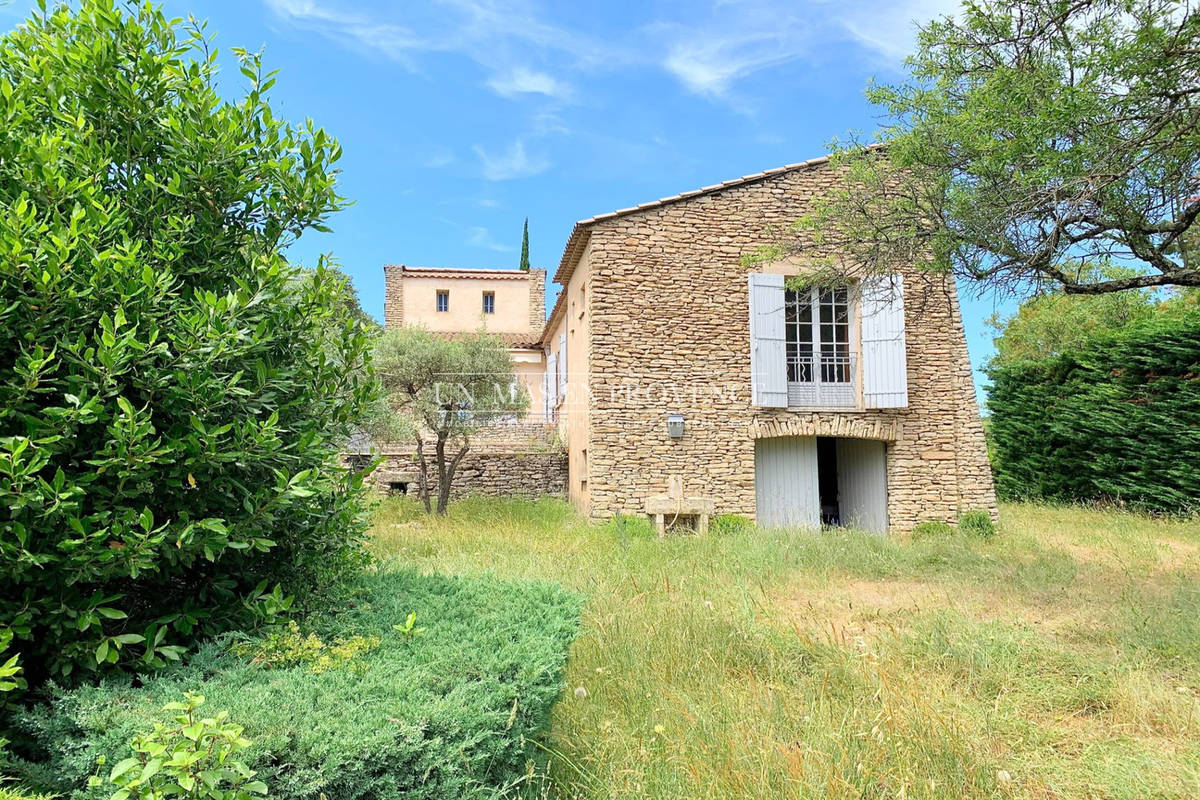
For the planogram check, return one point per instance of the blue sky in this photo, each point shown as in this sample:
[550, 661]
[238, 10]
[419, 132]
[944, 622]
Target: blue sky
[459, 118]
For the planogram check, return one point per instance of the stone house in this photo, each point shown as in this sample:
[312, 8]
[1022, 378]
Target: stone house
[686, 383]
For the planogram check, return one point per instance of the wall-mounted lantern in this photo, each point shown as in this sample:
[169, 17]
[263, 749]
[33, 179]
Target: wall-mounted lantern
[675, 426]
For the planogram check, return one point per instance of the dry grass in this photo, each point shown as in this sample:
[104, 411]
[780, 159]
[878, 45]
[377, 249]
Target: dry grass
[1060, 659]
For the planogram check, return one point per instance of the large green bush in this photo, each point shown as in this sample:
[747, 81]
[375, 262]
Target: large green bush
[452, 712]
[172, 392]
[1117, 419]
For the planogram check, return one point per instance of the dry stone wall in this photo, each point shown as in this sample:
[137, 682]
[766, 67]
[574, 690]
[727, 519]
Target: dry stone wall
[509, 460]
[670, 332]
[489, 473]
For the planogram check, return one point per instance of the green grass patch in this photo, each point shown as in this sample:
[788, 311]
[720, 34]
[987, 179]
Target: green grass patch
[353, 708]
[1052, 659]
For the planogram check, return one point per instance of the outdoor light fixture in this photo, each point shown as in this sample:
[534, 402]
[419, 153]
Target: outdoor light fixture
[675, 426]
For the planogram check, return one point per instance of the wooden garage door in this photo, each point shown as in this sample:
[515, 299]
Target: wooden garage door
[785, 482]
[862, 484]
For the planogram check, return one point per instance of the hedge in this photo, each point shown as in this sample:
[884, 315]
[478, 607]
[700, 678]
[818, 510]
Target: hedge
[1117, 420]
[451, 712]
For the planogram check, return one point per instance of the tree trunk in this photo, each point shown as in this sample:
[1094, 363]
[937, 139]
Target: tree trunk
[423, 474]
[444, 486]
[443, 479]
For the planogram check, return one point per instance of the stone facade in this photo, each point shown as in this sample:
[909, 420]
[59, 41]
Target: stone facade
[537, 299]
[666, 305]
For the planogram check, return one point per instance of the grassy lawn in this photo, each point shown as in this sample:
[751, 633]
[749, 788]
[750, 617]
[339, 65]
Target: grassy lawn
[1059, 659]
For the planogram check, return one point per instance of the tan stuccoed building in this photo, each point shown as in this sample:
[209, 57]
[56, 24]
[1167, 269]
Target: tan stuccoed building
[510, 304]
[686, 383]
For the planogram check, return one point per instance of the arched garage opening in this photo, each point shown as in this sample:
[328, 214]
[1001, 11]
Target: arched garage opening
[814, 481]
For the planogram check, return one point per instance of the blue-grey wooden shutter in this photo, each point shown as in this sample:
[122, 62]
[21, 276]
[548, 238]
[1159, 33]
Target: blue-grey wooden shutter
[885, 362]
[768, 348]
[551, 383]
[562, 366]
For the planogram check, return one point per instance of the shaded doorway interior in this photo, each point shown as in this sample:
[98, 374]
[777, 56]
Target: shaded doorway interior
[827, 481]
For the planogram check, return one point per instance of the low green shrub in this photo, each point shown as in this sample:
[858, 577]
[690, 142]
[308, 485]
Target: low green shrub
[932, 529]
[977, 522]
[450, 713]
[15, 793]
[192, 758]
[725, 524]
[288, 646]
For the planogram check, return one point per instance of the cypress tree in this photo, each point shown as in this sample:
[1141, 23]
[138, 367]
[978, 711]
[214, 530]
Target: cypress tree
[525, 247]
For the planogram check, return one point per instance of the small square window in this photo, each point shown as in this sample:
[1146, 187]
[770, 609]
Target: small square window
[443, 301]
[489, 302]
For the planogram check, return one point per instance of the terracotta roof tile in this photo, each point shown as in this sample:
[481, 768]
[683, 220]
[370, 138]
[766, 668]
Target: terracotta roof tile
[463, 272]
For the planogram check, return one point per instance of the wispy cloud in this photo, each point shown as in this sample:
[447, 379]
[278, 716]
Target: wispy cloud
[522, 80]
[888, 29]
[513, 163]
[482, 238]
[710, 50]
[497, 34]
[711, 67]
[440, 157]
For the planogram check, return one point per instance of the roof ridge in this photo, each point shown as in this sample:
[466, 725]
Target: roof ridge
[492, 270]
[578, 238]
[716, 187]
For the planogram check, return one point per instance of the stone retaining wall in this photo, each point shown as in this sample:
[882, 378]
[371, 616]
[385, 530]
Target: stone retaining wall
[492, 472]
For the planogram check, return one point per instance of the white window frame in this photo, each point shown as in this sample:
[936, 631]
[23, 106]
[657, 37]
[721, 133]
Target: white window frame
[825, 377]
[442, 293]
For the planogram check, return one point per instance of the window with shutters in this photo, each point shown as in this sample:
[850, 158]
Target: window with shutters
[805, 344]
[820, 362]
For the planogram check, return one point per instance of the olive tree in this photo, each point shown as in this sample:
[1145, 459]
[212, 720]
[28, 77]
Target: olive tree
[439, 391]
[173, 394]
[1032, 141]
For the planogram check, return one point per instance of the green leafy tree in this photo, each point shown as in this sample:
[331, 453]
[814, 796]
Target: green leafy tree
[525, 247]
[439, 392]
[1054, 322]
[173, 394]
[1033, 138]
[351, 301]
[10, 678]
